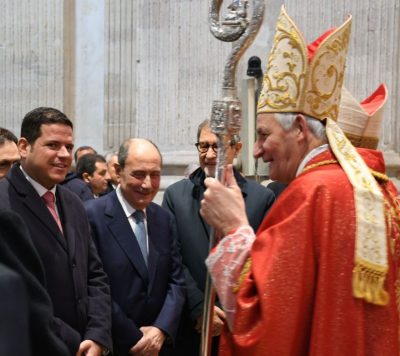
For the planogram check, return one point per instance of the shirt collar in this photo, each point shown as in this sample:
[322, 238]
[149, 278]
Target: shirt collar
[128, 208]
[310, 155]
[38, 187]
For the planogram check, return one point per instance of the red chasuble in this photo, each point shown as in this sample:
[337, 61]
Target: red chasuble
[297, 298]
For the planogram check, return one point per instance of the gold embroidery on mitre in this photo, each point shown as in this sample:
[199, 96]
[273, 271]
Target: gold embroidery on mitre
[291, 84]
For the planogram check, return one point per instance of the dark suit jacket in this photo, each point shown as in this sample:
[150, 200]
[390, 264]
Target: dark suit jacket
[77, 186]
[141, 296]
[25, 307]
[14, 325]
[75, 279]
[183, 200]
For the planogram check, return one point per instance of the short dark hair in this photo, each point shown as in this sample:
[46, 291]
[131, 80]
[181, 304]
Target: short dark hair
[87, 164]
[7, 135]
[81, 148]
[33, 121]
[124, 148]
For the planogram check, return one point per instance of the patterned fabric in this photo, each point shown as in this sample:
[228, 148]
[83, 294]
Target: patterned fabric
[227, 263]
[301, 78]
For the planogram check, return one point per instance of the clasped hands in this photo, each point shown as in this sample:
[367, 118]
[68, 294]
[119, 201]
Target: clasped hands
[151, 342]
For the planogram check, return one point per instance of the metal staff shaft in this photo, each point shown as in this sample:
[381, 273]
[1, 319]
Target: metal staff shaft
[205, 347]
[209, 301]
[226, 114]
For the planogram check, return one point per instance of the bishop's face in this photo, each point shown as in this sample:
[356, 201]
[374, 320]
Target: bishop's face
[278, 147]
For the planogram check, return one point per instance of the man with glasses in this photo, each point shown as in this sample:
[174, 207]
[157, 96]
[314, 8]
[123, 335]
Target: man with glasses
[183, 199]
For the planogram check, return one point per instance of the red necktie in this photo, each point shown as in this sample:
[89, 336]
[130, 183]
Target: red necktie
[49, 199]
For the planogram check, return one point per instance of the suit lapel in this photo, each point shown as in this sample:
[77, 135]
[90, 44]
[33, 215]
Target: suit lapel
[34, 203]
[68, 224]
[153, 234]
[206, 227]
[122, 232]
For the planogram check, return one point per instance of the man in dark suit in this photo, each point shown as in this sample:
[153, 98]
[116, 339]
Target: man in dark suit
[14, 328]
[25, 307]
[92, 170]
[140, 257]
[59, 228]
[73, 182]
[183, 200]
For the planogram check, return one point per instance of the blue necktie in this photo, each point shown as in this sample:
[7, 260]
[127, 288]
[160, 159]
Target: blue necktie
[140, 233]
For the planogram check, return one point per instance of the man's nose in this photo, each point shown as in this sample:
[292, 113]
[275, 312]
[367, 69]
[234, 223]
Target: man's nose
[107, 177]
[257, 150]
[146, 181]
[63, 152]
[210, 152]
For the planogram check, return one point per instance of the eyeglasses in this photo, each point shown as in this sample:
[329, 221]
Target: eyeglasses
[203, 147]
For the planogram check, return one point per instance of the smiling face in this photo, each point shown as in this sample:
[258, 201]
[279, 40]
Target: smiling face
[140, 178]
[280, 148]
[48, 159]
[208, 159]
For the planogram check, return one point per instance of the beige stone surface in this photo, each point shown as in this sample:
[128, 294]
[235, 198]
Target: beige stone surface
[162, 68]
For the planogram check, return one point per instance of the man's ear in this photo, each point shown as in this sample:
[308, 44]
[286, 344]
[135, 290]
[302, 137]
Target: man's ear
[117, 168]
[86, 177]
[301, 127]
[24, 147]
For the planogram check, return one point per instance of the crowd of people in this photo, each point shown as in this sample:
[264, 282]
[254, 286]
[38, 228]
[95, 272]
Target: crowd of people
[90, 265]
[114, 272]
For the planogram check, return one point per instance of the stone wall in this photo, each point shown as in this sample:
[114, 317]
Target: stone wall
[151, 68]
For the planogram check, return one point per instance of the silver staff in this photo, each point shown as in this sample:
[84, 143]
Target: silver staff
[226, 114]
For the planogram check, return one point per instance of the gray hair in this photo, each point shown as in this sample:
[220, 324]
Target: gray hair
[110, 155]
[207, 123]
[316, 126]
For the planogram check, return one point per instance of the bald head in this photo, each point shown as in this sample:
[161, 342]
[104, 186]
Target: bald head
[138, 145]
[139, 168]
